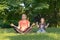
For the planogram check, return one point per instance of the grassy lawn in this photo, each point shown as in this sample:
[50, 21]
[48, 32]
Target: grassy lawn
[10, 34]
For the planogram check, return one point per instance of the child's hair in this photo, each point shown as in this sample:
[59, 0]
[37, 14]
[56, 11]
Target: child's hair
[42, 18]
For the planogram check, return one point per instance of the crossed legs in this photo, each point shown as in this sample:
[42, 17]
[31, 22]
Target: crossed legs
[19, 31]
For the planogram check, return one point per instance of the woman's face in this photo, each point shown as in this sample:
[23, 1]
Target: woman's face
[24, 16]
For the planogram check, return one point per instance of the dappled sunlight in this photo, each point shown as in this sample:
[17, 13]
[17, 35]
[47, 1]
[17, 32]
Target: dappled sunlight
[53, 35]
[9, 34]
[46, 36]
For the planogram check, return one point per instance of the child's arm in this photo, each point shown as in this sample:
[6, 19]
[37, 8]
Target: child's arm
[47, 25]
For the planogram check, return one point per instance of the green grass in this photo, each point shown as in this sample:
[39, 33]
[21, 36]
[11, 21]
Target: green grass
[10, 34]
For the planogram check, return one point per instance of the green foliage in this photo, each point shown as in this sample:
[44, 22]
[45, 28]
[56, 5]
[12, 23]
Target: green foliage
[12, 10]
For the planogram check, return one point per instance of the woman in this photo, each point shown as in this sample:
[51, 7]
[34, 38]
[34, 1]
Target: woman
[23, 25]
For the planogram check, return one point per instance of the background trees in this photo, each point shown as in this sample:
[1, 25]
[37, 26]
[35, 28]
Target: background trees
[11, 10]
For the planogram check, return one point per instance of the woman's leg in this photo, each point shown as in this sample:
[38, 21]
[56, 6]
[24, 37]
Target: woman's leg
[17, 30]
[28, 30]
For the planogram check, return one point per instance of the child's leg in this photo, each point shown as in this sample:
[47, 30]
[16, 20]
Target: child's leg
[41, 31]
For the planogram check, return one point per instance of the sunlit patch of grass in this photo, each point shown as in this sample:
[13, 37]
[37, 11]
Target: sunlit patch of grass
[10, 34]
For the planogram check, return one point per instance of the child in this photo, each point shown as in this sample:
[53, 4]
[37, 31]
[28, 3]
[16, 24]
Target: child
[42, 26]
[23, 25]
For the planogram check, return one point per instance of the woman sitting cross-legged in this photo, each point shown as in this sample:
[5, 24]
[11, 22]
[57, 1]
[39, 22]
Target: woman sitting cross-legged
[23, 25]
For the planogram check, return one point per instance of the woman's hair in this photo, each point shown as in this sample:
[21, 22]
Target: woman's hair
[24, 14]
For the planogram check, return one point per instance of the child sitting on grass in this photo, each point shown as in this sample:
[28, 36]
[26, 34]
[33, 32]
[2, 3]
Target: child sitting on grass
[23, 25]
[42, 26]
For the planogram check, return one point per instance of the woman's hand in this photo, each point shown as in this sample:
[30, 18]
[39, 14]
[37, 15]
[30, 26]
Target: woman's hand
[33, 24]
[12, 24]
[37, 24]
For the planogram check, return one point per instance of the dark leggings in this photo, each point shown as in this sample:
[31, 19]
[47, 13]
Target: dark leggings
[19, 31]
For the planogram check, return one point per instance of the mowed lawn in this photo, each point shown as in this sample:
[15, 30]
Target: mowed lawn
[10, 34]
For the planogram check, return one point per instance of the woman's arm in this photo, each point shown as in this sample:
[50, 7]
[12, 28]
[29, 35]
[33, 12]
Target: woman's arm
[28, 24]
[12, 25]
[18, 25]
[15, 25]
[33, 24]
[37, 24]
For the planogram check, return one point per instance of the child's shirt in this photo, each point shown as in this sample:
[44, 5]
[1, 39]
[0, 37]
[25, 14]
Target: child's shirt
[42, 26]
[24, 24]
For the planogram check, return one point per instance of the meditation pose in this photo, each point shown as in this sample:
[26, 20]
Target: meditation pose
[23, 25]
[42, 26]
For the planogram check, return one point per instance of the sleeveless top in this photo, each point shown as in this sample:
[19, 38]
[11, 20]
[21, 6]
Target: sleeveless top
[42, 26]
[23, 25]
